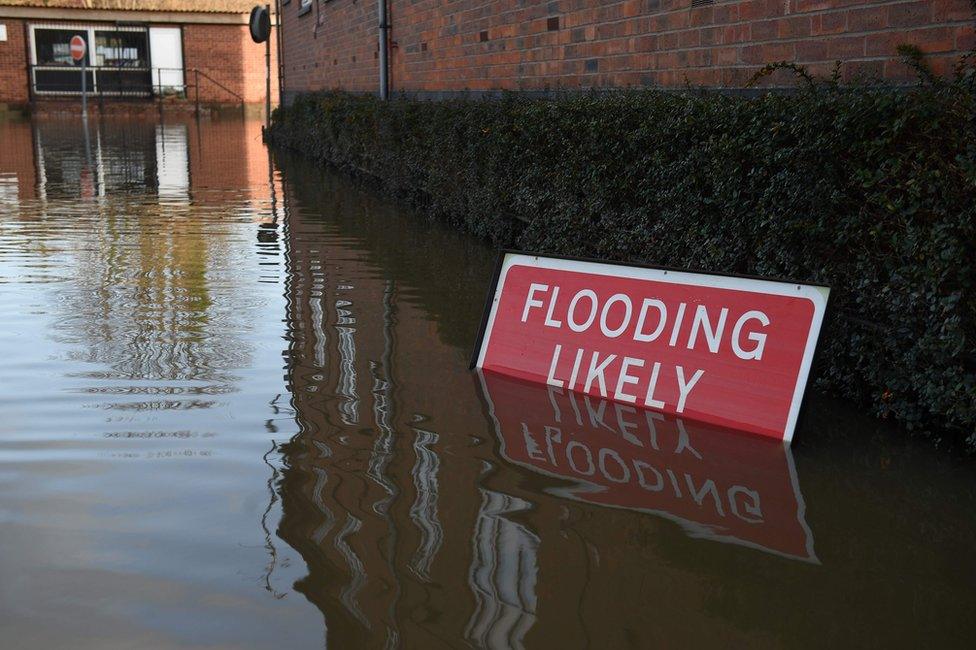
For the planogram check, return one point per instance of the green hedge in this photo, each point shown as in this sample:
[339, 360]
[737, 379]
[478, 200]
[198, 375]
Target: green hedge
[870, 191]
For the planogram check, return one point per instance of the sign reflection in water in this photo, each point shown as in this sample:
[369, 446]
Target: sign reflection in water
[718, 484]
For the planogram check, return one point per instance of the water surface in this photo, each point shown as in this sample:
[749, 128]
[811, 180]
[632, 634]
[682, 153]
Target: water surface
[237, 414]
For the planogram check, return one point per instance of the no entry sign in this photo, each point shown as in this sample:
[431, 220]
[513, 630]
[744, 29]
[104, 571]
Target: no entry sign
[724, 350]
[77, 47]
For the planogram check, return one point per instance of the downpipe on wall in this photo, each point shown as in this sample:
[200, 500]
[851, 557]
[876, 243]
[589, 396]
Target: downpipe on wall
[384, 36]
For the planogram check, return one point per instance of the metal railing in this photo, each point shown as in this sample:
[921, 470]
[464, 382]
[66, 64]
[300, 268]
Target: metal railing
[169, 88]
[118, 82]
[197, 73]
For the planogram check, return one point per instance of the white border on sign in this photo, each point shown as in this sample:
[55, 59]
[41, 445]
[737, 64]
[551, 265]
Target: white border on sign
[815, 294]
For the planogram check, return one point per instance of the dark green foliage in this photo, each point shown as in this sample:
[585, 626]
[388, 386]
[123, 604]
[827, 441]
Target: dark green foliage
[870, 191]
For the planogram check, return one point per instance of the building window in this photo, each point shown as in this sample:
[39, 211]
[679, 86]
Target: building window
[51, 46]
[304, 7]
[121, 49]
[118, 63]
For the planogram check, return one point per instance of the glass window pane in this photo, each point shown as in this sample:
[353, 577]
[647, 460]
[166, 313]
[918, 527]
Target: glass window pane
[53, 46]
[63, 80]
[121, 49]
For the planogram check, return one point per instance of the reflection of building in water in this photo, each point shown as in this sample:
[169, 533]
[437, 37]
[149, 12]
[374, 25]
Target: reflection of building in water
[424, 508]
[118, 158]
[503, 574]
[363, 495]
[18, 174]
[207, 163]
[346, 329]
[146, 250]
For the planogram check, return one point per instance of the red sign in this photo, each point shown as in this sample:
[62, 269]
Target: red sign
[77, 48]
[729, 351]
[716, 484]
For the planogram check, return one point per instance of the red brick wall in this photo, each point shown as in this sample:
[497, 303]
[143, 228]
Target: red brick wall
[228, 55]
[442, 45]
[13, 64]
[332, 46]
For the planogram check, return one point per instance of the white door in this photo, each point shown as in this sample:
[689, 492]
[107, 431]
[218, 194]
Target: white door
[166, 52]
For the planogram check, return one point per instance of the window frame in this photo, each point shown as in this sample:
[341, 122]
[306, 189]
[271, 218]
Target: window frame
[89, 30]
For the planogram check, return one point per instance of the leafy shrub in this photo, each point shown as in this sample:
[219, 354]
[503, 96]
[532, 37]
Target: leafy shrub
[868, 190]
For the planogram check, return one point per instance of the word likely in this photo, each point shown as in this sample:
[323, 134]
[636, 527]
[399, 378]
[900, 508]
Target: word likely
[596, 371]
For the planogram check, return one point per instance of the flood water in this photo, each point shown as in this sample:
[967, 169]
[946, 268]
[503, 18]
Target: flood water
[237, 413]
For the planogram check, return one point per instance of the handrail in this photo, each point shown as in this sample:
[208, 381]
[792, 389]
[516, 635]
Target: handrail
[200, 72]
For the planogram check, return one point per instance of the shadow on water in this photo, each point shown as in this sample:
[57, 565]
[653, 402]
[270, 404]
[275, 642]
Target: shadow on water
[431, 507]
[241, 416]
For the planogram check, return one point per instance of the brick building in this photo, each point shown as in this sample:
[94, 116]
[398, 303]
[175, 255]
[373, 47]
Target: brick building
[457, 45]
[136, 50]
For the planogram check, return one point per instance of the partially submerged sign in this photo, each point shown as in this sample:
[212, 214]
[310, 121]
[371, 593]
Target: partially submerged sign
[725, 350]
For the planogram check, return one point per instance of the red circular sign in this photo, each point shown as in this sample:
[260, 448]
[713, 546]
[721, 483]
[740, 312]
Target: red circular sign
[77, 48]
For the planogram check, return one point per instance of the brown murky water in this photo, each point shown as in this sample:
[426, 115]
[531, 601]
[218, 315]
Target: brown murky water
[237, 414]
